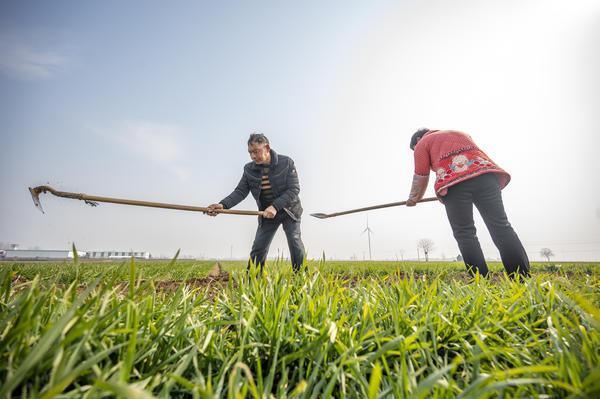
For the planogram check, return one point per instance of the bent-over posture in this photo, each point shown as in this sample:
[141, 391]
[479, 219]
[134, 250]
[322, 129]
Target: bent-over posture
[466, 176]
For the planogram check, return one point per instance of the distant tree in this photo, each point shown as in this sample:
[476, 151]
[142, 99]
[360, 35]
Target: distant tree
[426, 245]
[459, 258]
[546, 253]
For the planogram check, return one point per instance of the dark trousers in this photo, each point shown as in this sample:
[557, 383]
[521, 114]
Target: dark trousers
[484, 192]
[264, 236]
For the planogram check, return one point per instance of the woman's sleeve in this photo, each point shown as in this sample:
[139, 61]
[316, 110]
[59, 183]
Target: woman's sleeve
[422, 160]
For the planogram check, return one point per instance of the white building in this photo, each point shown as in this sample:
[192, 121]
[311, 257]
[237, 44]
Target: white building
[48, 254]
[117, 254]
[39, 254]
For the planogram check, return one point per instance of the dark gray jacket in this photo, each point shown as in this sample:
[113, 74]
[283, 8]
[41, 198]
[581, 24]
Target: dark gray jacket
[284, 184]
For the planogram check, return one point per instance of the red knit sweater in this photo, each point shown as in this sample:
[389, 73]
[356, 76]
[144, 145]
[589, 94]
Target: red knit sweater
[454, 157]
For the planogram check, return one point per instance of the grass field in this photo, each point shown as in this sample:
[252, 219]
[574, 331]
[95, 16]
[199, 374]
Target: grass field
[342, 329]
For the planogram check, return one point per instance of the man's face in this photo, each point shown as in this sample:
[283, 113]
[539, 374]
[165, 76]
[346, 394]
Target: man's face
[259, 153]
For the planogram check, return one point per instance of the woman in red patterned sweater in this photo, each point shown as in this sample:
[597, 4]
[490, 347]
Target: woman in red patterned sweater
[465, 175]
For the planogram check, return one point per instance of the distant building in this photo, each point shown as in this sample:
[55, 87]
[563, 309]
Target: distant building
[117, 255]
[48, 254]
[41, 254]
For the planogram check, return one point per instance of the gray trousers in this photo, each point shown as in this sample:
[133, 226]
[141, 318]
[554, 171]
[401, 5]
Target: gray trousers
[264, 236]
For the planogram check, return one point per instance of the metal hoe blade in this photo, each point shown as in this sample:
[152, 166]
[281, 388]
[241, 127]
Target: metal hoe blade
[35, 195]
[320, 215]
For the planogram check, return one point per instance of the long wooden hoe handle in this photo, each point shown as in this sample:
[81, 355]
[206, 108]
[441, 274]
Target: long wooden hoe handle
[92, 199]
[368, 208]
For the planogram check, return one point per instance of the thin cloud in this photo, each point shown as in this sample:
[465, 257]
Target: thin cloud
[21, 61]
[156, 142]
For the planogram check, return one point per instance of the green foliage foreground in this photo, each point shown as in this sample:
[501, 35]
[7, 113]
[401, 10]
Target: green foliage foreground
[315, 335]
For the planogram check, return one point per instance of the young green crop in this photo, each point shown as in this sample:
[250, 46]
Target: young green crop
[320, 334]
[64, 272]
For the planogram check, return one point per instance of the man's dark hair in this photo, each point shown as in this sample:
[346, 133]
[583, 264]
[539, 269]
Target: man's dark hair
[258, 138]
[416, 136]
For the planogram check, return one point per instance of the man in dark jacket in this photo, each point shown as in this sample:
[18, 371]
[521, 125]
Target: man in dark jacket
[273, 181]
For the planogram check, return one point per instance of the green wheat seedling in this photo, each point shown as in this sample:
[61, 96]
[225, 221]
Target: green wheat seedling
[338, 329]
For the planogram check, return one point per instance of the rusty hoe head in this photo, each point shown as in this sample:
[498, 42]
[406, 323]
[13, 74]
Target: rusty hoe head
[36, 191]
[35, 195]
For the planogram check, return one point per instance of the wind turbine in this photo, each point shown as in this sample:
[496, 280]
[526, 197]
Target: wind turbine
[368, 231]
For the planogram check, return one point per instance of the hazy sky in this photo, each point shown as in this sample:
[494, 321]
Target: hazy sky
[155, 102]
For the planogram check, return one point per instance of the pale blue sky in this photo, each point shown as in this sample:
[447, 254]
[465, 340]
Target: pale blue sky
[151, 102]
